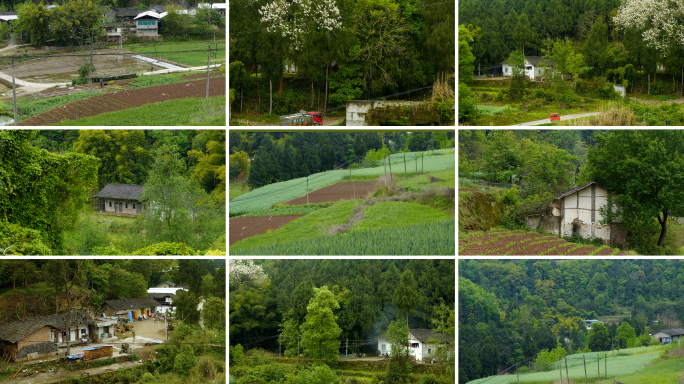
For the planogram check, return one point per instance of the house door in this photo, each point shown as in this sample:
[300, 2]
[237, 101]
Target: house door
[137, 207]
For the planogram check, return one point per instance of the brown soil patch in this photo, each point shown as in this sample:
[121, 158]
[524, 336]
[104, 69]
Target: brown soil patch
[335, 192]
[536, 249]
[581, 251]
[96, 105]
[244, 227]
[481, 249]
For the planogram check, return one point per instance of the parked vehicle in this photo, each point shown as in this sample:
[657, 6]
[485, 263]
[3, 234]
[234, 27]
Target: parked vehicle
[302, 118]
[555, 117]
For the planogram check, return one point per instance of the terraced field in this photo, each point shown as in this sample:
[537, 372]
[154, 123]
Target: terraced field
[498, 242]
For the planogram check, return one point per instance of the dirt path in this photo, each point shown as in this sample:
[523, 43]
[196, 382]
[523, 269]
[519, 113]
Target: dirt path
[241, 228]
[62, 374]
[335, 192]
[110, 102]
[563, 118]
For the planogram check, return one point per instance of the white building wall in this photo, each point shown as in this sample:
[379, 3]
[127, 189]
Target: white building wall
[124, 209]
[577, 206]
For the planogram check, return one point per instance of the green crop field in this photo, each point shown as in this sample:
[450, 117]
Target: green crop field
[626, 362]
[192, 53]
[422, 182]
[174, 112]
[663, 372]
[264, 197]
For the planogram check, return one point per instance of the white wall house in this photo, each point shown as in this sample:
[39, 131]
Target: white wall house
[418, 343]
[533, 68]
[119, 199]
[667, 336]
[577, 211]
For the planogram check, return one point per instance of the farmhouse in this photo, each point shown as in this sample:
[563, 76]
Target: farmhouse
[147, 23]
[132, 308]
[166, 284]
[667, 336]
[419, 343]
[119, 199]
[40, 336]
[164, 296]
[534, 67]
[577, 212]
[589, 323]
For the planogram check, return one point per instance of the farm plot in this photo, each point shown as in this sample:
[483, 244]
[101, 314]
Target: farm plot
[519, 243]
[110, 102]
[338, 191]
[244, 227]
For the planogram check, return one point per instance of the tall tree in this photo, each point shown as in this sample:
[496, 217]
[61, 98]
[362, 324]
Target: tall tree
[320, 331]
[405, 295]
[598, 338]
[523, 31]
[489, 356]
[440, 24]
[327, 155]
[643, 170]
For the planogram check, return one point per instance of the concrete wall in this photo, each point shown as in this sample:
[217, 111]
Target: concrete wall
[357, 109]
[124, 210]
[549, 224]
[580, 213]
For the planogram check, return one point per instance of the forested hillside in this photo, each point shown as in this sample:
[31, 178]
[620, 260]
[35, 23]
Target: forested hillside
[512, 310]
[48, 177]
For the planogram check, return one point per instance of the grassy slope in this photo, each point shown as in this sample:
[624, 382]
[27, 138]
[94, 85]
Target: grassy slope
[173, 51]
[638, 358]
[173, 112]
[264, 197]
[663, 372]
[422, 182]
[390, 228]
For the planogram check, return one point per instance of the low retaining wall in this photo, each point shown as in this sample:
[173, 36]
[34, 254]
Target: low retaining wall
[41, 349]
[357, 109]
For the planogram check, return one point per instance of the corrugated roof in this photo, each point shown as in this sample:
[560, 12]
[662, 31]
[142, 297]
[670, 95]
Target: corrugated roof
[121, 191]
[133, 303]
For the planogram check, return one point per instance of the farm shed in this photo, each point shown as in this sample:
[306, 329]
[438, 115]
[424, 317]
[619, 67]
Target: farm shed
[667, 336]
[119, 199]
[134, 307]
[419, 347]
[534, 67]
[577, 212]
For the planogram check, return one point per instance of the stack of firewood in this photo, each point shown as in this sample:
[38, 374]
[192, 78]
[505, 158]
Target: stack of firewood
[97, 352]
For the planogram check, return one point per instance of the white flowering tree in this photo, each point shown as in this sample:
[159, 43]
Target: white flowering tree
[308, 26]
[660, 22]
[242, 271]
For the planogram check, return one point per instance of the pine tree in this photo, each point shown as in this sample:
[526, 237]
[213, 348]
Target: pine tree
[359, 146]
[406, 294]
[327, 155]
[258, 177]
[489, 357]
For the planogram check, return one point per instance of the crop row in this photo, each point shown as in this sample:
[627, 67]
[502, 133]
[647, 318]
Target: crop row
[434, 238]
[265, 197]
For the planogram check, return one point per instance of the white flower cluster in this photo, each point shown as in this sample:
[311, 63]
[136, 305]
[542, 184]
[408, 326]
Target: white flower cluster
[240, 271]
[293, 18]
[658, 20]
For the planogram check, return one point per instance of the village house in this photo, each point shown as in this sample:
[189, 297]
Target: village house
[667, 336]
[577, 212]
[147, 23]
[131, 308]
[119, 199]
[165, 294]
[534, 67]
[123, 17]
[166, 284]
[41, 336]
[420, 345]
[589, 323]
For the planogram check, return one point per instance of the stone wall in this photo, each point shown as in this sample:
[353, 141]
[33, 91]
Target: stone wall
[618, 235]
[550, 224]
[41, 349]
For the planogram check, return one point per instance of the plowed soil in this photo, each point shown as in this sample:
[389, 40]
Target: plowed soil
[110, 102]
[244, 227]
[519, 243]
[335, 192]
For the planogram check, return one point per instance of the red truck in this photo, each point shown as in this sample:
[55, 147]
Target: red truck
[302, 118]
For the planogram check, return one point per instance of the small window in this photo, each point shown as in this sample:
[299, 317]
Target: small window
[83, 331]
[110, 204]
[126, 205]
[133, 206]
[384, 348]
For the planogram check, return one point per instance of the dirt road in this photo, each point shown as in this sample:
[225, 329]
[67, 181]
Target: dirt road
[563, 118]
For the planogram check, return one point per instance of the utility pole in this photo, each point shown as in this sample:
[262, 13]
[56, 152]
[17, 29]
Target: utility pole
[208, 60]
[405, 175]
[385, 166]
[90, 68]
[560, 370]
[307, 193]
[166, 329]
[416, 164]
[14, 94]
[346, 347]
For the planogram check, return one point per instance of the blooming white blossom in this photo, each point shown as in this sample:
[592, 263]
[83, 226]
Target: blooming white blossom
[292, 18]
[240, 271]
[660, 21]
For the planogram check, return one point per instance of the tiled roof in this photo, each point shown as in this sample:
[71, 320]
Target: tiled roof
[17, 330]
[169, 283]
[134, 303]
[161, 295]
[573, 190]
[423, 335]
[121, 191]
[673, 332]
[128, 12]
[535, 60]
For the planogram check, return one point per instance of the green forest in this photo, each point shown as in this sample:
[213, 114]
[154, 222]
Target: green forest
[33, 288]
[282, 156]
[642, 169]
[591, 44]
[47, 178]
[342, 50]
[326, 312]
[531, 311]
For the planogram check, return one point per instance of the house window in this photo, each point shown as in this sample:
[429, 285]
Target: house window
[147, 22]
[429, 351]
[110, 204]
[83, 331]
[52, 336]
[414, 345]
[133, 206]
[506, 70]
[384, 348]
[126, 205]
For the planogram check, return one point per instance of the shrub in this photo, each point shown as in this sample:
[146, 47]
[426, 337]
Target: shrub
[206, 368]
[147, 377]
[134, 357]
[184, 361]
[428, 379]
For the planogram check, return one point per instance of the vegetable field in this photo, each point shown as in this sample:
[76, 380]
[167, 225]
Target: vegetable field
[623, 363]
[508, 242]
[265, 197]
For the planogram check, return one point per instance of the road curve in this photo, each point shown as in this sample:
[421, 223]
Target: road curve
[565, 117]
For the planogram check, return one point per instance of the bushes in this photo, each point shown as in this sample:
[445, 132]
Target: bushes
[206, 368]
